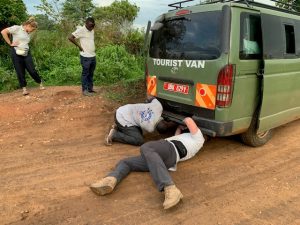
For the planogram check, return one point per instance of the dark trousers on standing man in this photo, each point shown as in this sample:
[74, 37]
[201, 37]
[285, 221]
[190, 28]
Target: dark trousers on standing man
[24, 62]
[156, 157]
[88, 68]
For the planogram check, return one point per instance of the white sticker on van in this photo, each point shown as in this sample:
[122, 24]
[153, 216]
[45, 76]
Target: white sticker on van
[198, 64]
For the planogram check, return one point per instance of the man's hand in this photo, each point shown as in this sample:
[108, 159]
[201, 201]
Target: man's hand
[73, 40]
[15, 44]
[190, 123]
[179, 129]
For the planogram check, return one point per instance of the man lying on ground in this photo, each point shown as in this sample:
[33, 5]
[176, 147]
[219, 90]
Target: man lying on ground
[157, 157]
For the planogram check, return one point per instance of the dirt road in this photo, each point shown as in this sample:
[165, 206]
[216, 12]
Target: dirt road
[51, 149]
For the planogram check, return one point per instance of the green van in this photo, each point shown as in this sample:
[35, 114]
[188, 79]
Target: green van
[233, 66]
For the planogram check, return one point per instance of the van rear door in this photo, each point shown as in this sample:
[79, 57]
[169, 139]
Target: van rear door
[185, 58]
[281, 77]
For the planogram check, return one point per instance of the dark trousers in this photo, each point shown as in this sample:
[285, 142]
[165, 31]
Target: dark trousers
[128, 135]
[88, 68]
[156, 157]
[21, 63]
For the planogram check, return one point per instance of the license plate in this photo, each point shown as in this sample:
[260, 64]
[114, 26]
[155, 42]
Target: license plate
[179, 88]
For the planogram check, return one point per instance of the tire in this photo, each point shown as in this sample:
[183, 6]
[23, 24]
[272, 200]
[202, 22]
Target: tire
[252, 138]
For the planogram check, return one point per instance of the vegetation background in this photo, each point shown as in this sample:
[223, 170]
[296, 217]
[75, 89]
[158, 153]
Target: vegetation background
[119, 45]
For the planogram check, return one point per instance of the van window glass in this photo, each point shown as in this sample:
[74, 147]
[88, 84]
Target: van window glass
[193, 37]
[273, 37]
[290, 39]
[250, 37]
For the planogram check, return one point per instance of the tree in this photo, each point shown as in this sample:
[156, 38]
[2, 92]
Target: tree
[115, 21]
[52, 8]
[293, 5]
[117, 13]
[77, 10]
[44, 22]
[12, 12]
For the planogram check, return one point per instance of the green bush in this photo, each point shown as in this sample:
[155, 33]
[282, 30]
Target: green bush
[58, 62]
[114, 64]
[8, 80]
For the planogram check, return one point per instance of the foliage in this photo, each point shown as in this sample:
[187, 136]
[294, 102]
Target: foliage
[116, 64]
[12, 12]
[51, 8]
[77, 10]
[134, 41]
[44, 22]
[114, 25]
[117, 12]
[289, 4]
[57, 60]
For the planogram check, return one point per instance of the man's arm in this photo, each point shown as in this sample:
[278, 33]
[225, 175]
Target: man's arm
[73, 40]
[191, 125]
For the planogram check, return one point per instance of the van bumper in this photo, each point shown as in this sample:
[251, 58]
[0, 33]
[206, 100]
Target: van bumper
[207, 126]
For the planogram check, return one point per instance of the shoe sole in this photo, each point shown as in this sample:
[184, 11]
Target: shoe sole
[175, 203]
[106, 142]
[101, 190]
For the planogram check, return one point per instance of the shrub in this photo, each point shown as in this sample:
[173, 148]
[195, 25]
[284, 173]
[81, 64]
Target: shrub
[114, 64]
[58, 63]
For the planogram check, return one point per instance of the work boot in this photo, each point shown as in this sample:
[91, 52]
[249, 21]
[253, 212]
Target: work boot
[108, 138]
[104, 186]
[42, 86]
[87, 93]
[172, 196]
[25, 92]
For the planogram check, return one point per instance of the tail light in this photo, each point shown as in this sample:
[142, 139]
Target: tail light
[225, 86]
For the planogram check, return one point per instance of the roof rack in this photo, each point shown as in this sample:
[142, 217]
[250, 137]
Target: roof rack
[252, 2]
[177, 5]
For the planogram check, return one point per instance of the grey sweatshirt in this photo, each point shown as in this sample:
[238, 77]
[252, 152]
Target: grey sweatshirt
[144, 115]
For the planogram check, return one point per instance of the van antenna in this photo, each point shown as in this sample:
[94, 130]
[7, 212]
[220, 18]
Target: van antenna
[178, 5]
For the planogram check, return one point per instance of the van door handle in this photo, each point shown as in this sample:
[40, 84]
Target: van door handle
[260, 72]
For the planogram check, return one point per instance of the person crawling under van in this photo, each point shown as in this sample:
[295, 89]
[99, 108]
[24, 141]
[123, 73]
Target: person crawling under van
[132, 120]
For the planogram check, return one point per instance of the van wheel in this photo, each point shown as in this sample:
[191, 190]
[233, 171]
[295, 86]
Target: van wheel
[253, 138]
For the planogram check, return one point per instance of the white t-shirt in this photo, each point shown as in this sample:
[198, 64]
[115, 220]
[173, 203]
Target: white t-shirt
[86, 39]
[20, 35]
[144, 115]
[192, 142]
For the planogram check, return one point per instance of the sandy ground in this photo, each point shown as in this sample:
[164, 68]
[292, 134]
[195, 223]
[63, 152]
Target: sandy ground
[51, 149]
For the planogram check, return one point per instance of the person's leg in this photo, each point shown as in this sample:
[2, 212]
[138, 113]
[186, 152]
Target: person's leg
[128, 135]
[85, 63]
[19, 65]
[160, 156]
[123, 168]
[131, 164]
[31, 69]
[91, 74]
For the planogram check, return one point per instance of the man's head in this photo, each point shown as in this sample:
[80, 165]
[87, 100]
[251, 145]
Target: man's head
[164, 126]
[90, 23]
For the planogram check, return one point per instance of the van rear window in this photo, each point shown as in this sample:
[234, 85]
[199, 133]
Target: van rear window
[193, 37]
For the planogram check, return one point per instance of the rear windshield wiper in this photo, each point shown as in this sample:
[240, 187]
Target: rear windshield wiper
[178, 18]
